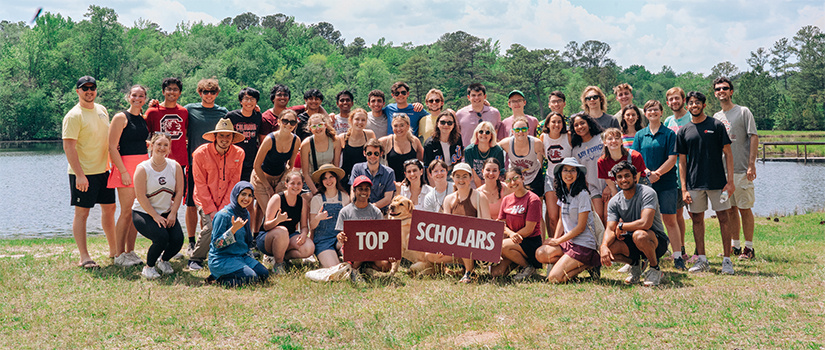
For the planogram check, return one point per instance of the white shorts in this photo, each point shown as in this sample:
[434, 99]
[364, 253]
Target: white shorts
[700, 201]
[743, 196]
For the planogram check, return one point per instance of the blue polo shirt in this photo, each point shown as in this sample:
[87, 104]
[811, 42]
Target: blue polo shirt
[655, 149]
[382, 182]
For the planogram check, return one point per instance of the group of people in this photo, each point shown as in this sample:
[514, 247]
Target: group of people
[281, 182]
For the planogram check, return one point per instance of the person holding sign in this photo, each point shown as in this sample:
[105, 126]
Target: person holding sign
[229, 259]
[521, 212]
[360, 209]
[284, 212]
[573, 247]
[324, 210]
[464, 201]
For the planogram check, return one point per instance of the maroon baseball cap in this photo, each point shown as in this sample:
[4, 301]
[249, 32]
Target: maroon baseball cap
[361, 179]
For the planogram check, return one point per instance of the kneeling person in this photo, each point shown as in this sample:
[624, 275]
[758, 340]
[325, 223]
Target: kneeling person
[360, 209]
[634, 227]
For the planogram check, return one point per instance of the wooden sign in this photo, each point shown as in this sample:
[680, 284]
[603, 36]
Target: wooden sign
[372, 240]
[455, 235]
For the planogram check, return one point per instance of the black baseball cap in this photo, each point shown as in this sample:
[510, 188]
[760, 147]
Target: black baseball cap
[85, 80]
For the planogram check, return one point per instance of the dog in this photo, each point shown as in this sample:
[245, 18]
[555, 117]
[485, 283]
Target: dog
[401, 209]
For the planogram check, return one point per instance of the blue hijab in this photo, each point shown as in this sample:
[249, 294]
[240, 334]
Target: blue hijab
[234, 208]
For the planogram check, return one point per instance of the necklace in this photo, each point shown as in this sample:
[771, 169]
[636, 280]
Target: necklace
[156, 165]
[484, 155]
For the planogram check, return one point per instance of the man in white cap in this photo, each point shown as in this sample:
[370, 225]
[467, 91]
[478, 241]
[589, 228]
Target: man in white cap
[216, 168]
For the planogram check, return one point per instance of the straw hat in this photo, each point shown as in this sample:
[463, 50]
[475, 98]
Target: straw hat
[316, 176]
[224, 125]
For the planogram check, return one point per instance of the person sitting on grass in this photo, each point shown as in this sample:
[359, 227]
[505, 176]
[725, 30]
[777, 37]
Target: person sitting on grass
[324, 209]
[634, 227]
[572, 249]
[521, 211]
[229, 260]
[360, 209]
[282, 239]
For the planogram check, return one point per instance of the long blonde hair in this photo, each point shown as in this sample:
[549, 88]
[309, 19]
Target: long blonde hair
[351, 118]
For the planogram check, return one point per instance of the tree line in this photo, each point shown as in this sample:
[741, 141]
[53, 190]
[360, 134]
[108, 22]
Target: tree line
[784, 84]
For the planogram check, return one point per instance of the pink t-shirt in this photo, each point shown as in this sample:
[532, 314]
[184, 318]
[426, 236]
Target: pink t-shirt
[606, 164]
[517, 211]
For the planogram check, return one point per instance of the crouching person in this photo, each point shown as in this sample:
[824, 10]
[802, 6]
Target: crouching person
[360, 209]
[634, 227]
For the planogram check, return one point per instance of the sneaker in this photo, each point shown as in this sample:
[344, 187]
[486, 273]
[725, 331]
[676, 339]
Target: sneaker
[700, 266]
[355, 276]
[467, 278]
[652, 277]
[269, 260]
[150, 272]
[178, 256]
[727, 267]
[635, 274]
[679, 264]
[165, 267]
[625, 269]
[135, 259]
[194, 265]
[525, 272]
[736, 251]
[278, 269]
[122, 260]
[190, 250]
[747, 254]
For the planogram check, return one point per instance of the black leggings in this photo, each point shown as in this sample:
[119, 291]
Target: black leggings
[164, 240]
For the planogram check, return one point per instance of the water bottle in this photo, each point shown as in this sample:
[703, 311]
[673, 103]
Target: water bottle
[723, 197]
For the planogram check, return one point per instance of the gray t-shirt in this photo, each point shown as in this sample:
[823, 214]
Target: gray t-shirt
[570, 219]
[607, 121]
[377, 124]
[351, 212]
[740, 125]
[433, 200]
[631, 209]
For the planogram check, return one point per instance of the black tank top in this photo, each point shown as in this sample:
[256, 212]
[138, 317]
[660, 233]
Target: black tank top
[352, 155]
[293, 212]
[396, 161]
[133, 138]
[275, 162]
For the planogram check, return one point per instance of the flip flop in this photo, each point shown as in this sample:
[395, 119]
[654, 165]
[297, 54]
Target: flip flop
[89, 265]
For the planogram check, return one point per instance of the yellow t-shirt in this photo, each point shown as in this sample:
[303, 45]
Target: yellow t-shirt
[90, 127]
[426, 126]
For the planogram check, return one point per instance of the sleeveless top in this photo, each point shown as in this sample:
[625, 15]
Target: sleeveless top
[396, 160]
[133, 138]
[529, 163]
[292, 212]
[160, 186]
[275, 162]
[316, 159]
[465, 207]
[352, 155]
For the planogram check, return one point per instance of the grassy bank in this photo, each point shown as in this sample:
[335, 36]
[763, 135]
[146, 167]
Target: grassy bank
[791, 136]
[774, 301]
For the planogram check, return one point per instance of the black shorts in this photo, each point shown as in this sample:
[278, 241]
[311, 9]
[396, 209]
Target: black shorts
[97, 192]
[189, 187]
[636, 254]
[529, 245]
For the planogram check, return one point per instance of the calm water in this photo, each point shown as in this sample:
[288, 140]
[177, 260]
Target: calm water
[35, 191]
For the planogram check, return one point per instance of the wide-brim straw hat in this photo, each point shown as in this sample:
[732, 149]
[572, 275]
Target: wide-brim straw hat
[316, 176]
[224, 125]
[571, 162]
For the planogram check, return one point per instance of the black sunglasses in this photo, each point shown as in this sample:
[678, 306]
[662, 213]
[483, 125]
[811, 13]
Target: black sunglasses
[433, 101]
[723, 88]
[446, 122]
[292, 122]
[87, 88]
[209, 92]
[371, 153]
[591, 98]
[402, 92]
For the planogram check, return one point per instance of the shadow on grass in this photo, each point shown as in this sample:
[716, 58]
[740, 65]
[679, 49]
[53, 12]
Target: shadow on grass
[134, 273]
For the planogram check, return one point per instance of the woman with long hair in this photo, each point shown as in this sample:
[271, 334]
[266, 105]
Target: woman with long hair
[482, 147]
[521, 213]
[631, 123]
[446, 140]
[285, 212]
[323, 212]
[526, 152]
[128, 133]
[401, 145]
[492, 184]
[587, 147]
[414, 187]
[556, 141]
[612, 154]
[318, 149]
[574, 246]
[275, 157]
[352, 142]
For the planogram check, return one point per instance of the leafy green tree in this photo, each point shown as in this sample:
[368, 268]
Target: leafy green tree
[535, 72]
[103, 41]
[418, 73]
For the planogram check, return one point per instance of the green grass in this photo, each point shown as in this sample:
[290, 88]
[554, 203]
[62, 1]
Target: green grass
[775, 301]
[789, 136]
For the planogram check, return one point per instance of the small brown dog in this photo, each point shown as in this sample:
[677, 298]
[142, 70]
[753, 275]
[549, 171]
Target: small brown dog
[401, 209]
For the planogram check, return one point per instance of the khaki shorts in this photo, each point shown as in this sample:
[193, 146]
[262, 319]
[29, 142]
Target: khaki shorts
[700, 201]
[743, 197]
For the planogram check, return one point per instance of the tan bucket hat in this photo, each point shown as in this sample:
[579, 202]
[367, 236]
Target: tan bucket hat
[224, 125]
[316, 176]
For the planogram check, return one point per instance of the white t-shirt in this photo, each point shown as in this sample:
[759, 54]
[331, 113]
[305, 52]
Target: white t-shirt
[433, 200]
[405, 191]
[570, 219]
[588, 154]
[340, 124]
[555, 150]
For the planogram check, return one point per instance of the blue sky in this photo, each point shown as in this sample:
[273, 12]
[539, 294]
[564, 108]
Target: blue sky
[687, 35]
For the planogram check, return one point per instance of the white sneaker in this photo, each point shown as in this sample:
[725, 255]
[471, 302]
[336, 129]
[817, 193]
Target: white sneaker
[635, 274]
[702, 266]
[727, 266]
[525, 272]
[122, 260]
[134, 258]
[150, 273]
[653, 277]
[625, 269]
[269, 260]
[165, 267]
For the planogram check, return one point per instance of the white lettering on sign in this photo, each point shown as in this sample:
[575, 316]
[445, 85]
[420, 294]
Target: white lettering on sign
[455, 236]
[372, 239]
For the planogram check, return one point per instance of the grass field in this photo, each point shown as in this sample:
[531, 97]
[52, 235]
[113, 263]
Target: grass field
[790, 136]
[773, 302]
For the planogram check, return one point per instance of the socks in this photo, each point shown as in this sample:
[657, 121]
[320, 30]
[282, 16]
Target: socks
[677, 254]
[703, 258]
[735, 243]
[749, 244]
[192, 240]
[726, 259]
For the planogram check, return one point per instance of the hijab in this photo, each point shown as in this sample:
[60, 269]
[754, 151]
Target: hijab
[234, 208]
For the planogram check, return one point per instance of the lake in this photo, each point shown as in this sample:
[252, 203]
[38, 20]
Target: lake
[35, 191]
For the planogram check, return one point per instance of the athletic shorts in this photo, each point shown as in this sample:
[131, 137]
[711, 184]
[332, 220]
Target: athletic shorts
[636, 254]
[582, 254]
[668, 200]
[130, 162]
[743, 196]
[97, 192]
[529, 245]
[700, 201]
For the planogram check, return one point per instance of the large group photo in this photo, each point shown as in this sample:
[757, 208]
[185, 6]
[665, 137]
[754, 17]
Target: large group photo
[449, 195]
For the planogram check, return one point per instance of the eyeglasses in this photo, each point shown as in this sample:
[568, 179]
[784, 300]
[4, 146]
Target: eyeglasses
[514, 178]
[434, 100]
[292, 122]
[520, 130]
[446, 122]
[401, 93]
[87, 88]
[248, 99]
[592, 97]
[317, 126]
[209, 92]
[723, 88]
[371, 153]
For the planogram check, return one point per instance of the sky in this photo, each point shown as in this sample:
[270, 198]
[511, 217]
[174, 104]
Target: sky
[686, 35]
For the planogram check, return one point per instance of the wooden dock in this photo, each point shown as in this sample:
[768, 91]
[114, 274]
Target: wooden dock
[801, 155]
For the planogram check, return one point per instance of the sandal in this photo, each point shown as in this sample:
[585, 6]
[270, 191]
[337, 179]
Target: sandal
[89, 265]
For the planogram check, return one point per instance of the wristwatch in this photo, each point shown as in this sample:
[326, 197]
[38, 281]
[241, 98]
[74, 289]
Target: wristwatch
[621, 226]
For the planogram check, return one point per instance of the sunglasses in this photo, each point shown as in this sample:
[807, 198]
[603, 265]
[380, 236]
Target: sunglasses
[316, 126]
[292, 122]
[402, 93]
[485, 132]
[446, 122]
[209, 92]
[518, 130]
[514, 178]
[591, 98]
[371, 153]
[433, 101]
[87, 88]
[723, 88]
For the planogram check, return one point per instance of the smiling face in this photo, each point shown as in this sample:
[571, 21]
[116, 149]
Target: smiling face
[245, 198]
[653, 114]
[625, 97]
[359, 121]
[438, 174]
[160, 147]
[248, 103]
[722, 91]
[569, 175]
[295, 183]
[625, 179]
[362, 193]
[373, 155]
[313, 103]
[513, 180]
[171, 93]
[484, 135]
[612, 141]
[317, 125]
[137, 97]
[462, 179]
[376, 104]
[491, 172]
[329, 180]
[593, 100]
[344, 103]
[289, 122]
[477, 97]
[556, 124]
[89, 95]
[675, 102]
[520, 130]
[400, 126]
[630, 116]
[580, 127]
[557, 104]
[412, 172]
[695, 106]
[446, 123]
[400, 95]
[223, 140]
[434, 102]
